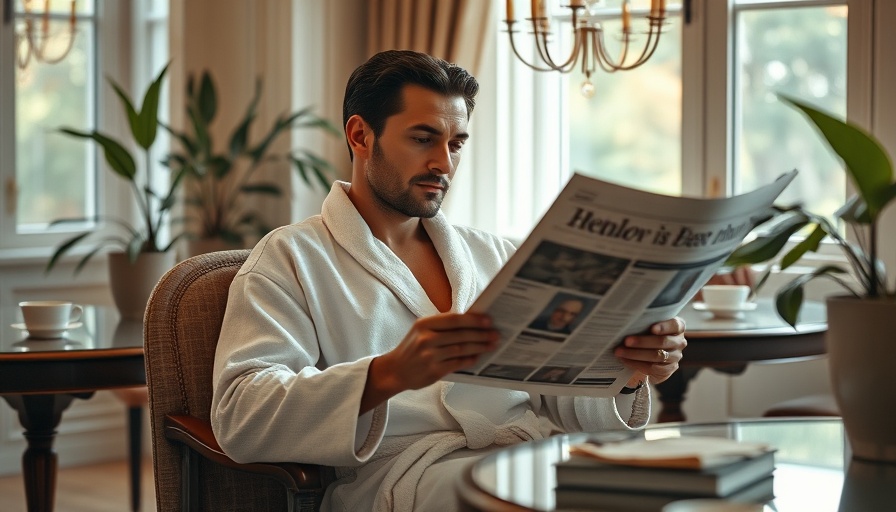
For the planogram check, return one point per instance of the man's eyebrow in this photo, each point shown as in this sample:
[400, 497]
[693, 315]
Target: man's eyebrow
[422, 127]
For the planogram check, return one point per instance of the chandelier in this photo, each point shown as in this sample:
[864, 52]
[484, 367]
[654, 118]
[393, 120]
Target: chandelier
[589, 51]
[35, 39]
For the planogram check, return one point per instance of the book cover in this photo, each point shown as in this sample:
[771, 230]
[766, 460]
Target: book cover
[761, 491]
[714, 481]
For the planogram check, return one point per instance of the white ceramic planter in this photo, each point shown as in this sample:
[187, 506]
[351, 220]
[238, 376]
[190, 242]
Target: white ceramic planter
[133, 283]
[861, 343]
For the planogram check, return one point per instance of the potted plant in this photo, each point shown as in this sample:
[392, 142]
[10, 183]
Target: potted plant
[141, 256]
[860, 323]
[220, 182]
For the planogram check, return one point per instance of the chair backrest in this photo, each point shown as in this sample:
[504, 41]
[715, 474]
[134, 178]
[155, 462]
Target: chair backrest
[181, 327]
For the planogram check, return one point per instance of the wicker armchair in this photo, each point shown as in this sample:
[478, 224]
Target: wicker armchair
[181, 327]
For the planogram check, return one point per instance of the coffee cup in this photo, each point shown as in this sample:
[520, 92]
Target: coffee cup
[725, 296]
[49, 315]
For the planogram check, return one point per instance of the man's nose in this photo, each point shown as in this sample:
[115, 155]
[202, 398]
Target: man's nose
[440, 160]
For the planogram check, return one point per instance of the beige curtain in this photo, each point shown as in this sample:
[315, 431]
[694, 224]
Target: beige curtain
[454, 30]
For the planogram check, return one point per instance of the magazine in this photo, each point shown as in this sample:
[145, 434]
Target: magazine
[605, 261]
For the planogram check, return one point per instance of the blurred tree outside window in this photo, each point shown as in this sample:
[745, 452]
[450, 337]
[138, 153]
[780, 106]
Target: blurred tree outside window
[55, 175]
[630, 132]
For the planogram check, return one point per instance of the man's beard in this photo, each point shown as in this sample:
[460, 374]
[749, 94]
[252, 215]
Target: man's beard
[383, 178]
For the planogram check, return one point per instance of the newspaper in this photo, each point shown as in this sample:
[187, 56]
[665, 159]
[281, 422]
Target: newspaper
[604, 262]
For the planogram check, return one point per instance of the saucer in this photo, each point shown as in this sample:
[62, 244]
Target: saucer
[46, 334]
[726, 312]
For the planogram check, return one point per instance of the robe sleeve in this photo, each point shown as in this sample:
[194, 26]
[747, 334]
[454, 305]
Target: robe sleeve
[274, 398]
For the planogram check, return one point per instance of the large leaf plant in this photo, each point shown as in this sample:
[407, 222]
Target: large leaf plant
[154, 207]
[219, 182]
[870, 170]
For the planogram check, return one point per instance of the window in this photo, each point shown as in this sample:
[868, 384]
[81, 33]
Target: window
[47, 175]
[700, 118]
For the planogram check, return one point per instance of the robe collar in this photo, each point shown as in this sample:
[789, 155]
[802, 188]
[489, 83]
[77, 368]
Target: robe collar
[353, 234]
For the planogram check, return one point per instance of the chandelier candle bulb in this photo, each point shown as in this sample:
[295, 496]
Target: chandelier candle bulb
[626, 18]
[577, 3]
[509, 10]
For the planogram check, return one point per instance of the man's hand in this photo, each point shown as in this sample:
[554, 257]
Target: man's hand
[655, 355]
[434, 347]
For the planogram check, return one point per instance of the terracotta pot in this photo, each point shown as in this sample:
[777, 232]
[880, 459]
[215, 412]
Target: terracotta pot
[133, 283]
[207, 245]
[860, 342]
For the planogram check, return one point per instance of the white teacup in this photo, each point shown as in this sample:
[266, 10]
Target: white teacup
[725, 296]
[49, 316]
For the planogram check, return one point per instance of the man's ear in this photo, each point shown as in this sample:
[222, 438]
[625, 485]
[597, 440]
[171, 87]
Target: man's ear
[359, 136]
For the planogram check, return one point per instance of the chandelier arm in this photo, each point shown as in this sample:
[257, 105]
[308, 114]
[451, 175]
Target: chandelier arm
[54, 60]
[600, 54]
[653, 39]
[565, 67]
[22, 61]
[541, 44]
[517, 53]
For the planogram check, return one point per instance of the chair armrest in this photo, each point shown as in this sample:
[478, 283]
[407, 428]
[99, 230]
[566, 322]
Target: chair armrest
[198, 436]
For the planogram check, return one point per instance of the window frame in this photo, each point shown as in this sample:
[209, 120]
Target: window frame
[116, 21]
[707, 130]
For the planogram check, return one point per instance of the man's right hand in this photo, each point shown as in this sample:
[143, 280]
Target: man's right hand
[434, 347]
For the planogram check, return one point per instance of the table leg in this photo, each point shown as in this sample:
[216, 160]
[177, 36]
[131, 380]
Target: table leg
[40, 415]
[672, 393]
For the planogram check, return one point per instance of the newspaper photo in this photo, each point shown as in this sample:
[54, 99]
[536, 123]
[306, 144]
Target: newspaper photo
[604, 262]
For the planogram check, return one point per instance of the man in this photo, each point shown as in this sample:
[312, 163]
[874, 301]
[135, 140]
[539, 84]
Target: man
[561, 317]
[340, 328]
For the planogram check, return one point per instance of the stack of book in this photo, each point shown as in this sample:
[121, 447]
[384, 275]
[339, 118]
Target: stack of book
[642, 475]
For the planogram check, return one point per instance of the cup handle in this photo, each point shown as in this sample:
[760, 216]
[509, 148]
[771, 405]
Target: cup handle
[77, 311]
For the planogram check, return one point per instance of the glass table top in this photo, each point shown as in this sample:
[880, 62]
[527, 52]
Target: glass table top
[813, 467]
[99, 328]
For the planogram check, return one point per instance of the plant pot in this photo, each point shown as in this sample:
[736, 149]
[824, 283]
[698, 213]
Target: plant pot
[199, 246]
[132, 283]
[859, 345]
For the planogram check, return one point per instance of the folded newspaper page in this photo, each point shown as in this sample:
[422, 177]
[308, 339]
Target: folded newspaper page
[604, 262]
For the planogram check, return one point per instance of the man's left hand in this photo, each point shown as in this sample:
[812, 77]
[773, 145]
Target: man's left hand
[655, 355]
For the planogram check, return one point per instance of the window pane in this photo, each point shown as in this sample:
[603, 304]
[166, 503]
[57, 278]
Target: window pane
[801, 52]
[630, 131]
[55, 173]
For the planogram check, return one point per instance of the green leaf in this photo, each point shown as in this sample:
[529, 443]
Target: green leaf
[810, 243]
[854, 211]
[148, 121]
[207, 102]
[789, 298]
[788, 303]
[128, 107]
[866, 161]
[64, 248]
[87, 258]
[766, 246]
[118, 158]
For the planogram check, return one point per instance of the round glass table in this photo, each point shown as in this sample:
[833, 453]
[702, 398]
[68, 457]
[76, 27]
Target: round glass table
[813, 468]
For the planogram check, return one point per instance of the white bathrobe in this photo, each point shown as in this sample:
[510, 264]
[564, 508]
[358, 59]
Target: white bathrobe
[310, 308]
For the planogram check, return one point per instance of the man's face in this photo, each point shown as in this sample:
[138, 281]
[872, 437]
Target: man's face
[415, 157]
[564, 314]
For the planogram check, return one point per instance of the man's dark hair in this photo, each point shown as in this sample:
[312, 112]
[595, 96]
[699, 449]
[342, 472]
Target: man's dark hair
[374, 89]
